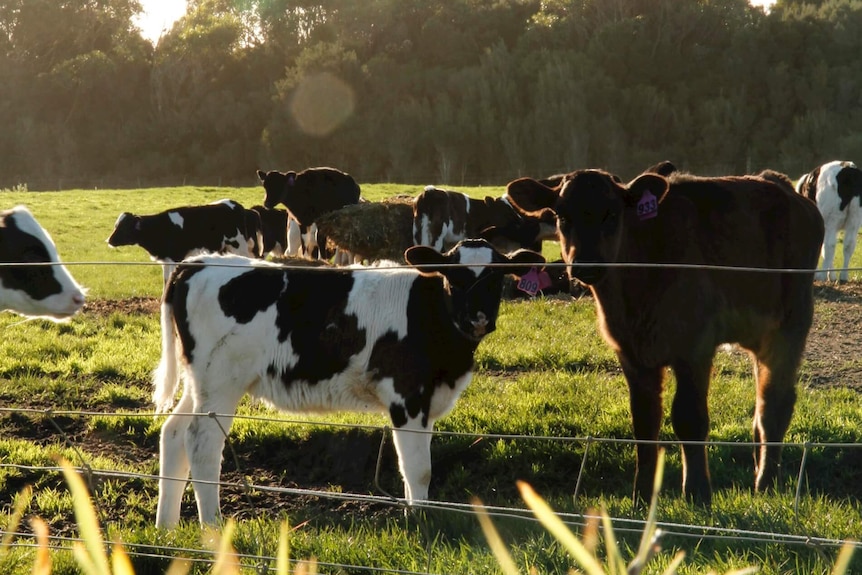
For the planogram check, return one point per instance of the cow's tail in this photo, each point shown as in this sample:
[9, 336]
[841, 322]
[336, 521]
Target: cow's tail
[166, 377]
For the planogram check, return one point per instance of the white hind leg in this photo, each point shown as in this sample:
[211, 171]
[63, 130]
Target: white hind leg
[173, 463]
[413, 444]
[205, 439]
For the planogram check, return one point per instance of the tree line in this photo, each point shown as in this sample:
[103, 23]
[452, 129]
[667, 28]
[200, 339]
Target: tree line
[424, 91]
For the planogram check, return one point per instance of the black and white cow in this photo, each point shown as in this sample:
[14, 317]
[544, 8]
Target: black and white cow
[395, 340]
[309, 194]
[441, 218]
[836, 188]
[47, 291]
[173, 235]
[273, 228]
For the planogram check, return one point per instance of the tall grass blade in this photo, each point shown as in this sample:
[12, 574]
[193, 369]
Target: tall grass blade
[558, 529]
[498, 548]
[88, 523]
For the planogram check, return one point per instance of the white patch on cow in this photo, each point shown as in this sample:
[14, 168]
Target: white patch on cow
[226, 202]
[176, 219]
[476, 258]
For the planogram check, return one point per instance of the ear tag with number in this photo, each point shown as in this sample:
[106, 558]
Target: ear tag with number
[533, 281]
[647, 206]
[529, 282]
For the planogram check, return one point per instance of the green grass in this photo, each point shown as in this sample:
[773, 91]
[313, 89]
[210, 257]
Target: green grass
[545, 374]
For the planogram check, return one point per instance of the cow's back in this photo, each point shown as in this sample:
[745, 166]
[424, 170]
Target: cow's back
[741, 222]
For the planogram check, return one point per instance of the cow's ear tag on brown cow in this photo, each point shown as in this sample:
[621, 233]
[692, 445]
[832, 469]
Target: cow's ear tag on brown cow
[647, 206]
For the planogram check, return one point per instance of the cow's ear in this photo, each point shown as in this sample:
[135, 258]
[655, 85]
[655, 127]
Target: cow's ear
[531, 197]
[643, 185]
[522, 261]
[261, 174]
[425, 258]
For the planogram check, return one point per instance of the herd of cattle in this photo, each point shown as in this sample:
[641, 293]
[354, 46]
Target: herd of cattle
[400, 339]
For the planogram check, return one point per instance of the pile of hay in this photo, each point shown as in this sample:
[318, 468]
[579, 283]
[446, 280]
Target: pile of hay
[372, 230]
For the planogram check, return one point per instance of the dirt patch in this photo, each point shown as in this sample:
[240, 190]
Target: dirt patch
[132, 305]
[832, 356]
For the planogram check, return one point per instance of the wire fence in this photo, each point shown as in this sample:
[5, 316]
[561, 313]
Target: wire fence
[574, 521]
[265, 563]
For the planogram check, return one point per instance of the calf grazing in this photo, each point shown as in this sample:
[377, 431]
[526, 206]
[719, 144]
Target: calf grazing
[173, 235]
[836, 187]
[47, 291]
[441, 218]
[309, 194]
[391, 340]
[655, 317]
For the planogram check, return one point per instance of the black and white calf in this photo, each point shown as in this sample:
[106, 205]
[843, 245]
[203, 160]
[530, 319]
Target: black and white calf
[385, 339]
[47, 291]
[173, 235]
[273, 228]
[836, 188]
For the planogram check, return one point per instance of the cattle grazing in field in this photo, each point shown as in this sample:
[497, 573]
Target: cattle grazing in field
[47, 291]
[309, 194]
[836, 188]
[393, 340]
[442, 218]
[173, 235]
[661, 316]
[273, 228]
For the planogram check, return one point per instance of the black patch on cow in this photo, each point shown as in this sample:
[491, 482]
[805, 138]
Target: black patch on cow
[252, 292]
[17, 246]
[311, 311]
[397, 414]
[432, 354]
[849, 180]
[176, 294]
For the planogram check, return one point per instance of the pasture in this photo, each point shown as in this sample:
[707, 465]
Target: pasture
[548, 405]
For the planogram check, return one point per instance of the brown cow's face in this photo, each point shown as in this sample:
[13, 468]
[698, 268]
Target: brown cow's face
[589, 211]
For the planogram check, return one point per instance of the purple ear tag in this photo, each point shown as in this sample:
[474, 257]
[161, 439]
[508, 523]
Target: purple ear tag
[290, 180]
[530, 282]
[647, 206]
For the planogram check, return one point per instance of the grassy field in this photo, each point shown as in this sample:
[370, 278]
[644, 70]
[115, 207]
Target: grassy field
[545, 383]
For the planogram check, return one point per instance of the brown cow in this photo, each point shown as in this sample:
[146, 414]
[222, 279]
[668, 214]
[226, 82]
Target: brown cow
[442, 218]
[655, 317]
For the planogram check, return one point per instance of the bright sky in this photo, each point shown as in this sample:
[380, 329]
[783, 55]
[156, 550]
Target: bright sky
[158, 16]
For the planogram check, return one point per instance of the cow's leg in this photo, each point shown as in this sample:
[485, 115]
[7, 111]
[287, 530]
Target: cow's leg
[173, 463]
[645, 391]
[776, 364]
[413, 445]
[690, 418]
[205, 441]
[829, 242]
[849, 246]
[166, 271]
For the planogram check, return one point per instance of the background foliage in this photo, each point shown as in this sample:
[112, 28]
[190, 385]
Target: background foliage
[423, 91]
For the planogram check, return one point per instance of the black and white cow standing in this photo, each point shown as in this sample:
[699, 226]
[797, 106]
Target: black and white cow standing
[836, 188]
[273, 227]
[47, 291]
[394, 340]
[173, 235]
[309, 194]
